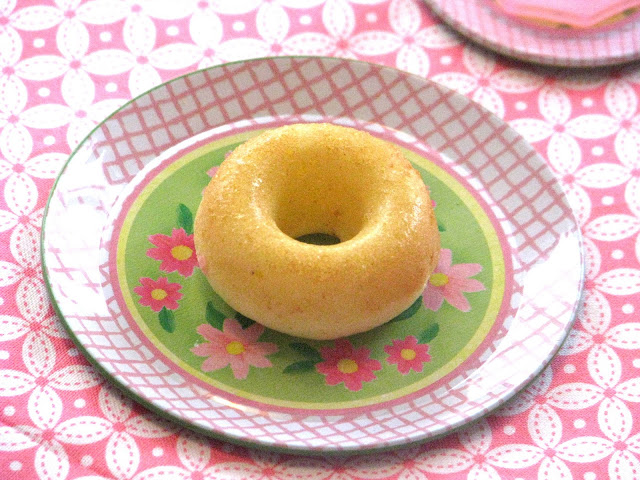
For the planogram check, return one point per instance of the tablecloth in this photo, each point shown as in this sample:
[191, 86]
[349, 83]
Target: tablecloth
[66, 64]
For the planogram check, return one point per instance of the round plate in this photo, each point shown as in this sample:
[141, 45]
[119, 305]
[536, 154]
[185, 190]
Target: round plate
[120, 264]
[489, 26]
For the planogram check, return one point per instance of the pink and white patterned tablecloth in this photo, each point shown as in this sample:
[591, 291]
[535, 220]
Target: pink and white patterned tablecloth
[65, 65]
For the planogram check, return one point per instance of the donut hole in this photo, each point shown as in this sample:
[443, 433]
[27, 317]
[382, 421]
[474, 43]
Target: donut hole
[319, 239]
[321, 209]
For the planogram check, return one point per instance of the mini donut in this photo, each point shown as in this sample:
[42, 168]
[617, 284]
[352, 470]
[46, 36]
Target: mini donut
[304, 179]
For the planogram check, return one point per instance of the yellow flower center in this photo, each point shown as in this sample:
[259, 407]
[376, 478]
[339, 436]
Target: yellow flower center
[235, 348]
[181, 252]
[408, 354]
[438, 280]
[347, 365]
[158, 294]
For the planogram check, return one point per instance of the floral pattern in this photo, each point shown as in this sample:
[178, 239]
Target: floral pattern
[158, 294]
[67, 64]
[233, 346]
[346, 364]
[408, 354]
[450, 282]
[177, 252]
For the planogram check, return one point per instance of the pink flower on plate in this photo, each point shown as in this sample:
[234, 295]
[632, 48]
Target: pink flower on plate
[233, 346]
[408, 354]
[347, 364]
[157, 294]
[177, 253]
[450, 282]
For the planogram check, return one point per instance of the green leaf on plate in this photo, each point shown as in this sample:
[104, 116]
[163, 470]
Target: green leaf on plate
[409, 312]
[185, 218]
[306, 351]
[300, 367]
[214, 317]
[244, 321]
[441, 227]
[429, 334]
[167, 320]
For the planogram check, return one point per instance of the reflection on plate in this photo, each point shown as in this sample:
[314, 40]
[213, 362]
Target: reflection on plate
[486, 23]
[120, 266]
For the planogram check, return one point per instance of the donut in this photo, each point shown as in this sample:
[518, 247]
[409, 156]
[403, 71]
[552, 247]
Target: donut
[293, 181]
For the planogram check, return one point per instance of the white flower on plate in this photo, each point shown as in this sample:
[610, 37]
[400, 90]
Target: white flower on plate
[120, 425]
[483, 82]
[593, 329]
[477, 457]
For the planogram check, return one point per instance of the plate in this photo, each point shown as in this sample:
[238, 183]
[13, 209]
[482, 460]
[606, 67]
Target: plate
[489, 26]
[121, 270]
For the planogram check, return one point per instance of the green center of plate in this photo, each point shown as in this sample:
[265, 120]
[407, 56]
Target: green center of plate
[170, 300]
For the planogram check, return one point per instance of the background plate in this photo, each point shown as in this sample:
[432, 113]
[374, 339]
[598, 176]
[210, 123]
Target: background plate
[535, 236]
[485, 25]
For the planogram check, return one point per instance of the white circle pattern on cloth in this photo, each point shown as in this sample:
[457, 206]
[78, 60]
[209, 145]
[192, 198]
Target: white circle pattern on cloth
[95, 55]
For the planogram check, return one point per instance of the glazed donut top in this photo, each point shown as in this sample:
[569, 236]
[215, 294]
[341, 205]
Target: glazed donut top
[317, 178]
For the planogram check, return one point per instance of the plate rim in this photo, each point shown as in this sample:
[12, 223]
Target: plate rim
[281, 447]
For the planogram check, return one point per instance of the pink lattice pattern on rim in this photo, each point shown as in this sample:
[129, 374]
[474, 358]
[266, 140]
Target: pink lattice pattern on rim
[500, 165]
[482, 22]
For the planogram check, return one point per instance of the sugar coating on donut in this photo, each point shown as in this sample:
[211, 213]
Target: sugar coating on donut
[306, 179]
